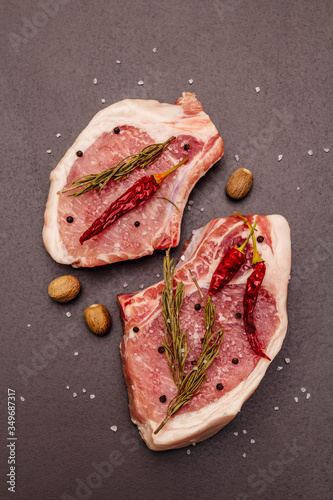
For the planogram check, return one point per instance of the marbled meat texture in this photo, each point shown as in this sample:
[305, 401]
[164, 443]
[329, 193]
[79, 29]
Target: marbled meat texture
[141, 123]
[146, 371]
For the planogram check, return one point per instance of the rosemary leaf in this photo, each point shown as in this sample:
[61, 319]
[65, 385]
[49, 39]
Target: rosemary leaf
[145, 157]
[190, 385]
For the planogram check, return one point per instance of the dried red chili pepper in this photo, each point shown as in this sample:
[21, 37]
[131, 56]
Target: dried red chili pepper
[228, 267]
[139, 193]
[253, 285]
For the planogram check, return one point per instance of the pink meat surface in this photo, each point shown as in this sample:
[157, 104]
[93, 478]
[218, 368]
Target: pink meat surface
[146, 370]
[141, 123]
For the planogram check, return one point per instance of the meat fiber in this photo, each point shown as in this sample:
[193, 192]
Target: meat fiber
[146, 371]
[141, 123]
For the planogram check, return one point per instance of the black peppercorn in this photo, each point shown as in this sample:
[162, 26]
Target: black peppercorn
[194, 362]
[197, 307]
[136, 329]
[235, 361]
[161, 349]
[79, 154]
[219, 387]
[116, 130]
[163, 399]
[238, 316]
[136, 223]
[260, 239]
[187, 147]
[69, 219]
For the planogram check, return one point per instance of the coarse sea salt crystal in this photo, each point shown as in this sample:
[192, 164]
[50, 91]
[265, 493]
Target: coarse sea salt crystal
[154, 49]
[68, 314]
[303, 389]
[252, 441]
[67, 387]
[125, 285]
[190, 81]
[92, 396]
[182, 258]
[95, 81]
[276, 408]
[202, 209]
[114, 428]
[76, 353]
[28, 325]
[188, 452]
[22, 398]
[244, 455]
[308, 395]
[140, 82]
[310, 152]
[244, 431]
[118, 61]
[236, 433]
[191, 202]
[84, 391]
[297, 188]
[158, 275]
[236, 157]
[287, 360]
[188, 207]
[141, 286]
[74, 394]
[103, 101]
[296, 399]
[279, 368]
[49, 151]
[58, 135]
[326, 150]
[280, 157]
[257, 89]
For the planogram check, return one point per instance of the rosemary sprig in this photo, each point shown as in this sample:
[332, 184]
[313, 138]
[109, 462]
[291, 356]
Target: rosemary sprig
[194, 381]
[145, 157]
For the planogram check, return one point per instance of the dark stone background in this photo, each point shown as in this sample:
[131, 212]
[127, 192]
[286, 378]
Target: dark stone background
[46, 80]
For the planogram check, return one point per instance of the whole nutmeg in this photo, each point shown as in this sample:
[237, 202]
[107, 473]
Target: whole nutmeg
[64, 288]
[98, 319]
[239, 183]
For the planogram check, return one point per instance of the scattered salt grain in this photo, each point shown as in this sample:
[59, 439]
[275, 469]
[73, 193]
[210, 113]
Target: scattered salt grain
[182, 258]
[193, 231]
[95, 81]
[236, 157]
[76, 353]
[296, 399]
[158, 275]
[58, 135]
[303, 389]
[279, 368]
[244, 455]
[276, 408]
[188, 452]
[257, 89]
[236, 433]
[74, 394]
[28, 325]
[244, 431]
[67, 387]
[140, 82]
[22, 398]
[125, 285]
[252, 441]
[114, 428]
[103, 101]
[308, 395]
[154, 49]
[84, 391]
[202, 209]
[191, 202]
[49, 151]
[193, 444]
[92, 396]
[188, 207]
[190, 81]
[310, 152]
[326, 150]
[68, 314]
[287, 360]
[141, 286]
[297, 188]
[280, 157]
[118, 62]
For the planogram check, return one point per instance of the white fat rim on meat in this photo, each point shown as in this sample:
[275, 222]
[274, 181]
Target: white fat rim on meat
[182, 430]
[159, 120]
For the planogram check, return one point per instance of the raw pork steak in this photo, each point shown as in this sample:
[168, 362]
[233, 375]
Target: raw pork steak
[146, 371]
[141, 123]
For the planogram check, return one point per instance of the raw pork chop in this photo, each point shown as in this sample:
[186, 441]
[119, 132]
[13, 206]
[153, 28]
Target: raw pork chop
[146, 371]
[141, 123]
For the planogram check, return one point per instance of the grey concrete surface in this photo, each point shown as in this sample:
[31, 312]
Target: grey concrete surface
[51, 50]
